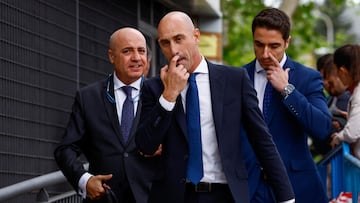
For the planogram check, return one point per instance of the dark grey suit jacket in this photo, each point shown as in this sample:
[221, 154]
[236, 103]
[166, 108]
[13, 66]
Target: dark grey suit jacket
[234, 103]
[93, 130]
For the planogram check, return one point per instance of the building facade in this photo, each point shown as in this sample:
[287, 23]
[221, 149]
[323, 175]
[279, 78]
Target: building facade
[51, 48]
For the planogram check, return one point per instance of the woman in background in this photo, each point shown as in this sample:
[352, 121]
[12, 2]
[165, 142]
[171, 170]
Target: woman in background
[347, 62]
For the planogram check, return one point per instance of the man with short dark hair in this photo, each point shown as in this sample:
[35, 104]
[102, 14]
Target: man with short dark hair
[293, 104]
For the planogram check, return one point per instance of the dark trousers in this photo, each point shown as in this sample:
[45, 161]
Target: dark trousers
[263, 193]
[214, 193]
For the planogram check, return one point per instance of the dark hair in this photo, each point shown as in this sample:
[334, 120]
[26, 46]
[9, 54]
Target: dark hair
[273, 19]
[348, 56]
[322, 60]
[325, 63]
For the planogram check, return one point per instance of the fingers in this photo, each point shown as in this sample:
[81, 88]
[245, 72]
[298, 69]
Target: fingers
[173, 62]
[156, 153]
[334, 135]
[275, 61]
[95, 186]
[106, 186]
[105, 177]
[335, 140]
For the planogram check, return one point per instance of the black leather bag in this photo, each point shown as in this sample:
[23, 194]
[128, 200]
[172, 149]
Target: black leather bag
[110, 196]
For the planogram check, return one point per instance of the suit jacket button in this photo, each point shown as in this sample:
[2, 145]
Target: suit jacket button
[126, 154]
[186, 157]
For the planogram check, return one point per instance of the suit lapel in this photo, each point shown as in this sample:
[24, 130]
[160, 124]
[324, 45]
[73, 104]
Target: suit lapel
[274, 97]
[180, 116]
[217, 89]
[111, 107]
[251, 71]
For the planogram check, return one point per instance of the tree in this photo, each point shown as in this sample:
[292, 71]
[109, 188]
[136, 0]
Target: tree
[334, 9]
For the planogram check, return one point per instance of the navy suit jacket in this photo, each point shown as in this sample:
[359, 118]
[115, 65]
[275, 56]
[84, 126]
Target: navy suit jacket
[94, 130]
[234, 103]
[303, 113]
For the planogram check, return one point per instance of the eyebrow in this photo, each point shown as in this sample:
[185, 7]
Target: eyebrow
[133, 48]
[173, 37]
[275, 43]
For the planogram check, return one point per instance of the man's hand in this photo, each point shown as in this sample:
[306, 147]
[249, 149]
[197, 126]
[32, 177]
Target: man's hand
[174, 78]
[157, 153]
[276, 75]
[95, 186]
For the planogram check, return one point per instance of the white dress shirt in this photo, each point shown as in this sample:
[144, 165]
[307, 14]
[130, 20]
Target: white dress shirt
[213, 171]
[120, 97]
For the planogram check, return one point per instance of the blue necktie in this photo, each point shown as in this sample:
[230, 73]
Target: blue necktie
[195, 165]
[266, 101]
[127, 115]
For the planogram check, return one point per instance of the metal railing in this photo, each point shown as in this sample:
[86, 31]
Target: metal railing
[340, 171]
[41, 183]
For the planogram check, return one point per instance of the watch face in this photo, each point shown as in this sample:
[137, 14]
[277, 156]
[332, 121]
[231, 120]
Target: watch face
[289, 88]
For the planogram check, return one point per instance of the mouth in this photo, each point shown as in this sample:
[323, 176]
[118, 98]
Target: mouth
[181, 60]
[266, 63]
[135, 66]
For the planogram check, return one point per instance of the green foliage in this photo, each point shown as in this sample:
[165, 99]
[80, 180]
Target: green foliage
[238, 15]
[304, 41]
[334, 9]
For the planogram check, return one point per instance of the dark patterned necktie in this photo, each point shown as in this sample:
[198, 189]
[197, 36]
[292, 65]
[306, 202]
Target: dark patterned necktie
[266, 101]
[127, 115]
[195, 165]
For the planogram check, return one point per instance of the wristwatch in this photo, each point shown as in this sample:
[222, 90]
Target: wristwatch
[289, 88]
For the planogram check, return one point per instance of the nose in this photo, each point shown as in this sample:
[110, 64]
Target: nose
[174, 49]
[266, 52]
[136, 56]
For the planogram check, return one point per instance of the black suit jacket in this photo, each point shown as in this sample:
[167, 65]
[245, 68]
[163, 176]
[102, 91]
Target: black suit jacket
[234, 103]
[93, 130]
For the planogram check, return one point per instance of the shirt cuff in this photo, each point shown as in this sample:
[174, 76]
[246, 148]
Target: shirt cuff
[82, 184]
[168, 106]
[289, 201]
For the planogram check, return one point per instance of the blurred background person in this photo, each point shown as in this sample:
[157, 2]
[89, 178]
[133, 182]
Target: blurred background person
[337, 100]
[347, 62]
[321, 63]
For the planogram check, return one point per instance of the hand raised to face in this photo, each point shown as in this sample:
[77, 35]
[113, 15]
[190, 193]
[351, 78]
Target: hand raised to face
[276, 75]
[174, 77]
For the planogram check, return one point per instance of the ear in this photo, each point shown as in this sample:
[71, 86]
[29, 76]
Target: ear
[111, 56]
[287, 42]
[197, 35]
[342, 70]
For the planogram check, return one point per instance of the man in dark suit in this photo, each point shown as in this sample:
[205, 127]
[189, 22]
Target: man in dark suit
[226, 101]
[294, 106]
[99, 128]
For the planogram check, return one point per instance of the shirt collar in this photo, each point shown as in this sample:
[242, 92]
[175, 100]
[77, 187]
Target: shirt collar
[258, 67]
[118, 83]
[202, 67]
